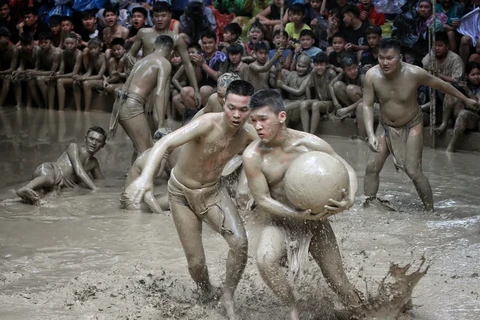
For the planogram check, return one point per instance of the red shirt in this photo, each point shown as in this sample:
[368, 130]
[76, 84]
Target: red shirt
[374, 18]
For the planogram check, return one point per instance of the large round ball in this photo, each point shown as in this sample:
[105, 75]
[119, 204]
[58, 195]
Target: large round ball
[314, 178]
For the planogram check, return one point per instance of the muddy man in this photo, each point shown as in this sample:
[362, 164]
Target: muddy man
[266, 161]
[400, 132]
[196, 196]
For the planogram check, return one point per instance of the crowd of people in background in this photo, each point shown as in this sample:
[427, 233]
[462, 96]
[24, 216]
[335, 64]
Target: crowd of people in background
[316, 54]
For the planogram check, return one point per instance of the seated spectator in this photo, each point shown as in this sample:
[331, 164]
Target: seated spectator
[306, 46]
[412, 27]
[319, 23]
[90, 28]
[354, 29]
[296, 13]
[336, 4]
[31, 25]
[454, 12]
[116, 66]
[369, 15]
[346, 88]
[335, 25]
[235, 63]
[231, 36]
[255, 35]
[281, 42]
[335, 57]
[369, 58]
[25, 72]
[55, 23]
[450, 68]
[468, 119]
[259, 70]
[476, 56]
[212, 64]
[113, 29]
[270, 17]
[7, 21]
[197, 20]
[139, 20]
[8, 63]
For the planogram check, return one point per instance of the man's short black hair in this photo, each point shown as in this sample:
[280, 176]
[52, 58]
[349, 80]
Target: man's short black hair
[99, 130]
[67, 18]
[279, 32]
[442, 37]
[240, 88]
[351, 9]
[161, 6]
[45, 36]
[233, 28]
[26, 38]
[390, 43]
[141, 10]
[117, 41]
[110, 8]
[4, 32]
[339, 35]
[307, 32]
[261, 46]
[320, 57]
[373, 30]
[30, 10]
[348, 60]
[267, 98]
[4, 2]
[235, 49]
[88, 14]
[209, 34]
[54, 20]
[164, 40]
[298, 8]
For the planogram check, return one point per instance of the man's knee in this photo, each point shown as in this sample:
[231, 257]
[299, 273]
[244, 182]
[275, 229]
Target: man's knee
[372, 168]
[187, 92]
[466, 41]
[413, 170]
[87, 85]
[61, 83]
[238, 242]
[339, 86]
[206, 91]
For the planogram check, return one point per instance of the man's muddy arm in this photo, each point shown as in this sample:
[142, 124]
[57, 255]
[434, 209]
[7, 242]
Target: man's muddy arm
[177, 76]
[258, 185]
[300, 90]
[73, 153]
[137, 44]
[267, 66]
[96, 172]
[100, 73]
[332, 90]
[368, 101]
[353, 106]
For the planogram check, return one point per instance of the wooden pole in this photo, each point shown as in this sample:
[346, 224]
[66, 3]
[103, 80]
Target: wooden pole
[433, 70]
[281, 60]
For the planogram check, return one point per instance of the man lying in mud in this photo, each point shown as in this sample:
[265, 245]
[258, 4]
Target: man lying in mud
[265, 162]
[74, 166]
[195, 194]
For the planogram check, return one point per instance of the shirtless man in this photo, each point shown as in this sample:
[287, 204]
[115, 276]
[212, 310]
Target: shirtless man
[400, 131]
[149, 75]
[259, 71]
[296, 85]
[73, 167]
[265, 162]
[196, 196]
[113, 29]
[145, 39]
[116, 66]
[47, 63]
[27, 55]
[320, 79]
[8, 63]
[70, 63]
[93, 78]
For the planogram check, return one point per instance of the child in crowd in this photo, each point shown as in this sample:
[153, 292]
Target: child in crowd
[27, 56]
[280, 40]
[369, 58]
[296, 85]
[235, 63]
[90, 28]
[113, 29]
[336, 56]
[48, 62]
[74, 166]
[231, 36]
[8, 63]
[346, 88]
[256, 34]
[369, 14]
[319, 23]
[56, 30]
[296, 13]
[259, 71]
[320, 79]
[271, 19]
[335, 25]
[93, 78]
[70, 63]
[354, 29]
[306, 47]
[139, 21]
[116, 66]
[467, 119]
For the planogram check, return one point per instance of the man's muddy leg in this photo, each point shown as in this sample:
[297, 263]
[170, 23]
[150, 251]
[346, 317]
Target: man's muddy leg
[88, 86]
[413, 165]
[77, 95]
[205, 93]
[465, 120]
[375, 163]
[234, 233]
[271, 248]
[17, 87]
[61, 83]
[362, 132]
[305, 114]
[42, 86]
[28, 192]
[324, 249]
[32, 87]
[354, 92]
[139, 132]
[163, 84]
[6, 81]
[448, 106]
[51, 94]
[189, 229]
[188, 99]
[340, 89]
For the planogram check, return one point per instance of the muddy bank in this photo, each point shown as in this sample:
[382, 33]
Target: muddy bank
[79, 257]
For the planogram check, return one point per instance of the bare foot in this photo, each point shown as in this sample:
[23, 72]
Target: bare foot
[439, 130]
[229, 305]
[384, 203]
[208, 295]
[293, 313]
[28, 195]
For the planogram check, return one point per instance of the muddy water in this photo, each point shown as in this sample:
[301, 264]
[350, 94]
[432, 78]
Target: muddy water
[79, 257]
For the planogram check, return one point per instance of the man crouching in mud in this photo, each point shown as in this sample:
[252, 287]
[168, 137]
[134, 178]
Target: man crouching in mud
[73, 166]
[400, 131]
[195, 194]
[265, 162]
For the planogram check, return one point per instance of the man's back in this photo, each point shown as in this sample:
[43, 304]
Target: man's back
[144, 75]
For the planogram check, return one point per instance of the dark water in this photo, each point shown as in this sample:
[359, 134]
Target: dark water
[48, 252]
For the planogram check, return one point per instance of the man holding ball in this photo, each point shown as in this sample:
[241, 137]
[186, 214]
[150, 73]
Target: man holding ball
[266, 161]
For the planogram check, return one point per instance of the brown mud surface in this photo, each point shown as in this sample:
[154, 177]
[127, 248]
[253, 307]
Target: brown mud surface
[77, 256]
